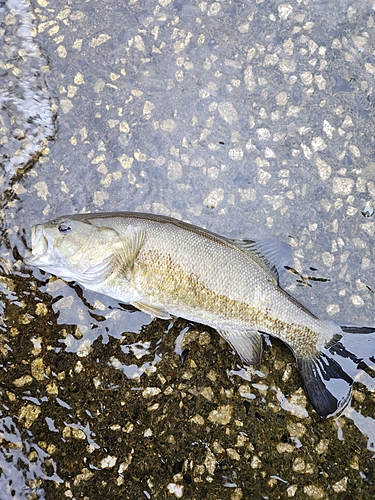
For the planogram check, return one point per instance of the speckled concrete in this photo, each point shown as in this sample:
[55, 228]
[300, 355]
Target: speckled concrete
[252, 119]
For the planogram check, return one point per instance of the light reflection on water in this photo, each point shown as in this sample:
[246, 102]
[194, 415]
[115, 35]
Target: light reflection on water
[23, 463]
[365, 424]
[133, 371]
[25, 104]
[93, 315]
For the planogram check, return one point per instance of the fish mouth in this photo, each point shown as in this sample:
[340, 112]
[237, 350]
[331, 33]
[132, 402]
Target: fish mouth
[39, 254]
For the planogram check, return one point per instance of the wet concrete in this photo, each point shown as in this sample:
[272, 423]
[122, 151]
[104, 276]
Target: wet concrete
[251, 119]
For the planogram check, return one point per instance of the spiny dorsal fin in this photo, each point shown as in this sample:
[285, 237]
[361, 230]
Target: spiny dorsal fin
[270, 254]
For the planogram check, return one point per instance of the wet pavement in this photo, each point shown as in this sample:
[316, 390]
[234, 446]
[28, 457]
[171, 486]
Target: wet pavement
[252, 119]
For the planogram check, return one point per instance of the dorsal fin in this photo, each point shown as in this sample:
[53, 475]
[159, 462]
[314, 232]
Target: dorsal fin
[271, 255]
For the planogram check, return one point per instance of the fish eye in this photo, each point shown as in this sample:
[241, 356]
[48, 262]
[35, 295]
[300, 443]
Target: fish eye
[64, 228]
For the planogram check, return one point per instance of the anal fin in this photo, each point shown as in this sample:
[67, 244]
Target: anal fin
[157, 312]
[247, 343]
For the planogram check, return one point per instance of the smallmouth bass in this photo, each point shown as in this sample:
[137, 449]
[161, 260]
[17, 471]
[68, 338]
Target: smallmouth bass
[167, 268]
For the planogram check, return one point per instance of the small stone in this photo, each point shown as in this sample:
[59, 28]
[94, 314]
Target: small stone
[354, 462]
[291, 490]
[197, 419]
[282, 99]
[222, 415]
[233, 454]
[108, 462]
[296, 429]
[236, 154]
[328, 259]
[228, 112]
[84, 349]
[66, 105]
[78, 79]
[287, 65]
[357, 300]
[207, 393]
[318, 144]
[285, 448]
[285, 10]
[79, 367]
[306, 78]
[299, 465]
[84, 476]
[102, 38]
[150, 392]
[210, 462]
[37, 369]
[175, 489]
[324, 170]
[61, 51]
[342, 186]
[214, 198]
[204, 338]
[78, 434]
[322, 446]
[333, 309]
[42, 189]
[263, 134]
[41, 309]
[52, 389]
[314, 492]
[25, 380]
[168, 125]
[28, 414]
[237, 494]
[249, 79]
[340, 485]
[255, 462]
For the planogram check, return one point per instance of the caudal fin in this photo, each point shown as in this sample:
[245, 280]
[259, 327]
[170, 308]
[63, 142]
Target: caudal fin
[328, 377]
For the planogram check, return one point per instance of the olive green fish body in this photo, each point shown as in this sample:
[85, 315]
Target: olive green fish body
[169, 268]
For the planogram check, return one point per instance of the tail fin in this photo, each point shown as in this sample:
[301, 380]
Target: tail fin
[328, 377]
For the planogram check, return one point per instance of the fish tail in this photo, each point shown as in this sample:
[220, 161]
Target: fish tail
[328, 376]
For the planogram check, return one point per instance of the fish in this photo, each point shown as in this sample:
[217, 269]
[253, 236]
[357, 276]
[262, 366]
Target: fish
[169, 268]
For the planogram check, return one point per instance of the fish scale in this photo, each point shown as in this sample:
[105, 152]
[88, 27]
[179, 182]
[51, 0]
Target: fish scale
[211, 293]
[166, 268]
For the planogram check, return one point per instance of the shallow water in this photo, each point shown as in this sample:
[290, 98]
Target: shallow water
[26, 116]
[249, 118]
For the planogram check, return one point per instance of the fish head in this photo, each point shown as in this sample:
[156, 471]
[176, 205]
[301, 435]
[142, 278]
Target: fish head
[74, 250]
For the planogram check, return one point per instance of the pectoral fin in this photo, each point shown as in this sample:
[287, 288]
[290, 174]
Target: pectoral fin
[247, 344]
[132, 240]
[157, 312]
